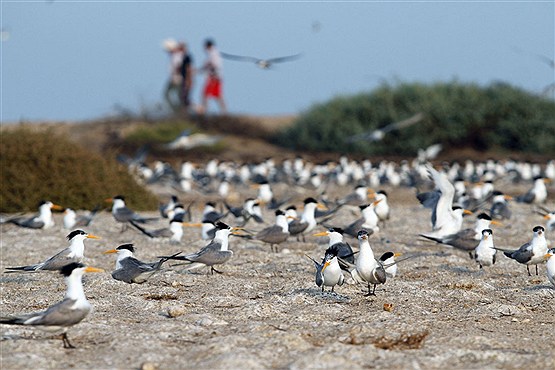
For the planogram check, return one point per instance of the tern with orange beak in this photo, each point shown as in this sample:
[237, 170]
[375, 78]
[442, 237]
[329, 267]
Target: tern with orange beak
[485, 252]
[43, 220]
[124, 214]
[328, 273]
[131, 270]
[74, 253]
[215, 253]
[468, 239]
[531, 253]
[63, 315]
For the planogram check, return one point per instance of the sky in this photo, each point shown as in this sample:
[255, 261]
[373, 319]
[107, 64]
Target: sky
[82, 60]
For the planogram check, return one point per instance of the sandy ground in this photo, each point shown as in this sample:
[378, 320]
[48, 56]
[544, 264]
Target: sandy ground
[265, 310]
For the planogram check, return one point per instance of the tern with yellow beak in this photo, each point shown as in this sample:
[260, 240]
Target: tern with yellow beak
[328, 273]
[74, 253]
[366, 268]
[63, 315]
[131, 270]
[531, 253]
[485, 252]
[41, 221]
[124, 214]
[468, 239]
[307, 222]
[215, 253]
[337, 246]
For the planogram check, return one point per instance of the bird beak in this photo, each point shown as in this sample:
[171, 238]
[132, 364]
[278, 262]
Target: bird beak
[546, 217]
[377, 201]
[110, 251]
[508, 197]
[326, 264]
[323, 233]
[496, 223]
[57, 207]
[188, 224]
[91, 236]
[547, 256]
[255, 186]
[467, 212]
[397, 254]
[108, 200]
[546, 180]
[93, 269]
[371, 193]
[321, 207]
[292, 217]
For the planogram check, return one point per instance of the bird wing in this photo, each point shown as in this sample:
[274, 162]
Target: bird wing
[60, 314]
[284, 59]
[31, 223]
[264, 233]
[240, 58]
[297, 227]
[58, 261]
[526, 198]
[445, 202]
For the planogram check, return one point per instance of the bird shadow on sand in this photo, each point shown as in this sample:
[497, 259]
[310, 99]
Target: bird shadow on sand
[317, 293]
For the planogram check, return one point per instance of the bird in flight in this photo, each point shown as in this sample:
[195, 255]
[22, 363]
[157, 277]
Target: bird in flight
[261, 63]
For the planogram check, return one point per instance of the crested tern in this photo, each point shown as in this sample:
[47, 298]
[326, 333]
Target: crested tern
[530, 253]
[61, 316]
[74, 253]
[485, 252]
[41, 221]
[215, 253]
[129, 269]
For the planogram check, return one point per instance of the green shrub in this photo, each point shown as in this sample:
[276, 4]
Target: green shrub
[160, 132]
[498, 116]
[40, 165]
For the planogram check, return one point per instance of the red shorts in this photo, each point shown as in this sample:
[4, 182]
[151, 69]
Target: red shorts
[213, 87]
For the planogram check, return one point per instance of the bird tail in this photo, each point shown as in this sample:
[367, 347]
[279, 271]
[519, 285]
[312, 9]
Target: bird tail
[164, 259]
[10, 321]
[433, 238]
[22, 268]
[507, 252]
[141, 229]
[313, 260]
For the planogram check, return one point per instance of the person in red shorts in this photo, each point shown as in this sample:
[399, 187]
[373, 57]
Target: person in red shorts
[213, 86]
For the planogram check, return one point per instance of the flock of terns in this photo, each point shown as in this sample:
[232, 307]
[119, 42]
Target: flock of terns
[458, 189]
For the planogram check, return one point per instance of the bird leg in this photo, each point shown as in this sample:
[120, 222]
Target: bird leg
[66, 342]
[214, 270]
[528, 269]
[370, 293]
[471, 256]
[537, 270]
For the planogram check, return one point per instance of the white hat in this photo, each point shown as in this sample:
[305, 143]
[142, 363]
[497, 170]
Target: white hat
[169, 44]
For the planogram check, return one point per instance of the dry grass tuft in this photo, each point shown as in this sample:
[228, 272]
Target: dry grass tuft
[47, 166]
[405, 341]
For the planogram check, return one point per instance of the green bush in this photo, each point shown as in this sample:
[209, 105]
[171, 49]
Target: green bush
[40, 165]
[495, 117]
[160, 132]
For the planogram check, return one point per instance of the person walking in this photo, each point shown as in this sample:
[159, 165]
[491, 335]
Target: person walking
[186, 70]
[213, 69]
[173, 89]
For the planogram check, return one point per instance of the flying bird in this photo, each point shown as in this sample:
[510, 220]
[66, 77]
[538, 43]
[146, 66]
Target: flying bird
[261, 63]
